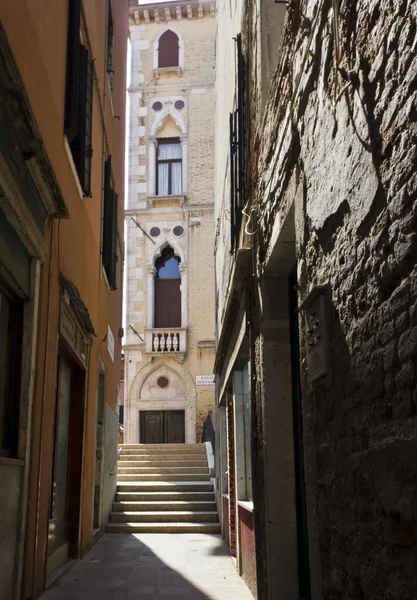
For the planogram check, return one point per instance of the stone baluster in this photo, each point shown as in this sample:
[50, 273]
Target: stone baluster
[175, 342]
[163, 342]
[156, 343]
[169, 342]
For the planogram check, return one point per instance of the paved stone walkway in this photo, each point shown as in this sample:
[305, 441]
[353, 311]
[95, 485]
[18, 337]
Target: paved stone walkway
[152, 567]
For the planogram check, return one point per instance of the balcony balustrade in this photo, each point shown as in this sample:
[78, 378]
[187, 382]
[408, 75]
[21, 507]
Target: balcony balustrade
[166, 341]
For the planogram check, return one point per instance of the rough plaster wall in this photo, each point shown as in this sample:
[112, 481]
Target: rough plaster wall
[353, 172]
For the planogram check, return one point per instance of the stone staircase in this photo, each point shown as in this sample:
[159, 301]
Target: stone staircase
[164, 488]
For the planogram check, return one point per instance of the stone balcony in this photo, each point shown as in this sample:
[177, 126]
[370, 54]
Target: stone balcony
[167, 341]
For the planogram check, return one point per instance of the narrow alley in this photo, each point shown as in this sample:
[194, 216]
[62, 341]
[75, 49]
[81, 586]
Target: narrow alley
[208, 299]
[152, 567]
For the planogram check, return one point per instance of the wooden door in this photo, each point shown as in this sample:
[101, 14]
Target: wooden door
[167, 303]
[152, 427]
[58, 518]
[174, 427]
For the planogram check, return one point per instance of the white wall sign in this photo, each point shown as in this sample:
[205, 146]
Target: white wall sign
[204, 380]
[110, 342]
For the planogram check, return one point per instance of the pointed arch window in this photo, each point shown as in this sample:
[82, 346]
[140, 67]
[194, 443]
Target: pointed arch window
[167, 290]
[168, 50]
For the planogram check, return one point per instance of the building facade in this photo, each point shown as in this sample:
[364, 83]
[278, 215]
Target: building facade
[316, 295]
[169, 345]
[62, 107]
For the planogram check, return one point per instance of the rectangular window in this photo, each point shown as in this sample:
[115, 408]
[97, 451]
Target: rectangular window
[79, 98]
[109, 257]
[11, 318]
[169, 167]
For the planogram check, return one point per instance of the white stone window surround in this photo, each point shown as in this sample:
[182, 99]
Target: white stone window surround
[180, 67]
[150, 287]
[167, 112]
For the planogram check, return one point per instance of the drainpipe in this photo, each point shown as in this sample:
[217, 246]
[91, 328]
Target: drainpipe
[41, 435]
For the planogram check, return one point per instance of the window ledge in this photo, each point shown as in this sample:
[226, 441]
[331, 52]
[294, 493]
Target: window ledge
[160, 70]
[246, 505]
[174, 200]
[13, 462]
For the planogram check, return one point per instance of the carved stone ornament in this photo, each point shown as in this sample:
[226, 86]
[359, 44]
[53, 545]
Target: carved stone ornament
[183, 267]
[151, 270]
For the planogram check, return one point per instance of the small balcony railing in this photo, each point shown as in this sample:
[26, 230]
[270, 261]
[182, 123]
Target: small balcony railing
[166, 341]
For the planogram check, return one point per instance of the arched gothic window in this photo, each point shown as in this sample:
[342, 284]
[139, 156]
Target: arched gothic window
[168, 50]
[167, 290]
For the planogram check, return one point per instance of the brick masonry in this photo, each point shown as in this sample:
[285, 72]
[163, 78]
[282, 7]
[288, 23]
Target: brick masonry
[340, 146]
[194, 124]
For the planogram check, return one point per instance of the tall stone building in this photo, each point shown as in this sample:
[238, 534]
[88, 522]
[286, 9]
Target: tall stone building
[316, 291]
[62, 127]
[169, 345]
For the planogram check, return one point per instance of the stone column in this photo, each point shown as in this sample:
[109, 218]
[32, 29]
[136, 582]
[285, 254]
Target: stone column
[184, 294]
[150, 300]
[152, 167]
[184, 147]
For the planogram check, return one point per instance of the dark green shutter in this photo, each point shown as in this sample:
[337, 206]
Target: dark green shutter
[109, 227]
[81, 145]
[113, 262]
[71, 83]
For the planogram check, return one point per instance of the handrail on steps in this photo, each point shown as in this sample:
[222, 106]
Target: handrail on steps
[119, 451]
[209, 432]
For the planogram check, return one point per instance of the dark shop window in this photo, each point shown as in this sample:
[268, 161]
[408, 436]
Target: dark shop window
[168, 50]
[169, 167]
[79, 98]
[109, 257]
[11, 317]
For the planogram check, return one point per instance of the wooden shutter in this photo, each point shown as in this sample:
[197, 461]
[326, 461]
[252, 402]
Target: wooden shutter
[81, 146]
[167, 302]
[168, 50]
[109, 257]
[71, 84]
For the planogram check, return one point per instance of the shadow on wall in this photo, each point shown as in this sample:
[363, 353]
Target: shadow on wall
[363, 439]
[121, 566]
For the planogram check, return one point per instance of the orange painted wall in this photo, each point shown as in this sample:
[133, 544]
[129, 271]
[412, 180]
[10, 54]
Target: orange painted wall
[37, 33]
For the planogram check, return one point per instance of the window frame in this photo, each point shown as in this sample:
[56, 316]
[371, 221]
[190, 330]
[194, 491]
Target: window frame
[169, 162]
[11, 421]
[166, 33]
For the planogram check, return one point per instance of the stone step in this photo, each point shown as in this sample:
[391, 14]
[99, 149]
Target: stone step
[173, 470]
[180, 462]
[163, 505]
[170, 516]
[163, 528]
[164, 486]
[151, 497]
[164, 448]
[164, 477]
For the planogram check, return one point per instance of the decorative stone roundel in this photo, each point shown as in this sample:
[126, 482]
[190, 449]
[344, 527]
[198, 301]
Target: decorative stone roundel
[178, 230]
[155, 231]
[162, 382]
[157, 106]
[179, 104]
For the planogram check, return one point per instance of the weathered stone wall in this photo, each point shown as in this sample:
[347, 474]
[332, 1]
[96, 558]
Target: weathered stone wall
[342, 149]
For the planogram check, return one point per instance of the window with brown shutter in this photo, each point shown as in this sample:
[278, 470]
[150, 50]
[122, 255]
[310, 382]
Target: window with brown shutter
[109, 256]
[168, 50]
[79, 98]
